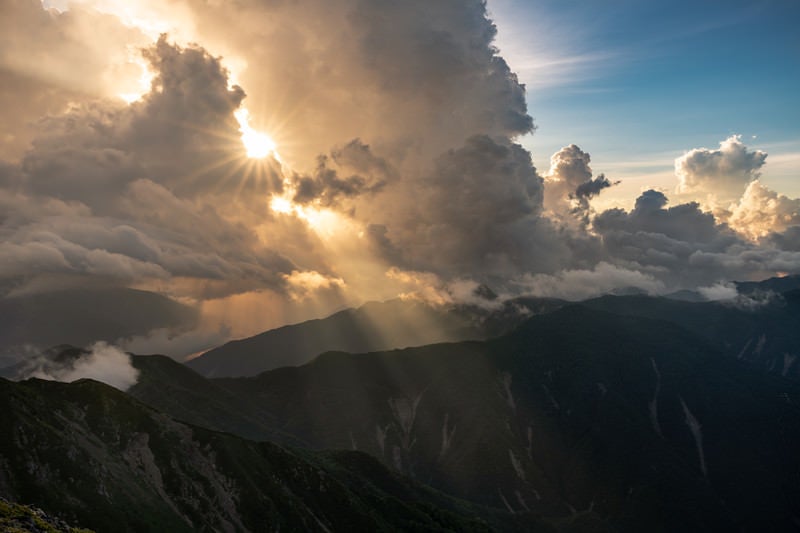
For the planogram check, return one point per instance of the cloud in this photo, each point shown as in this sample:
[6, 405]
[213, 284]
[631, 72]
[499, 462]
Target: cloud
[761, 211]
[569, 185]
[788, 240]
[581, 284]
[304, 283]
[474, 212]
[723, 173]
[429, 288]
[101, 362]
[397, 126]
[683, 245]
[593, 187]
[146, 192]
[683, 222]
[50, 59]
[719, 291]
[177, 345]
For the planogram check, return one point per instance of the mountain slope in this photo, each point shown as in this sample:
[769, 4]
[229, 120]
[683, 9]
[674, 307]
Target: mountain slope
[174, 388]
[625, 422]
[762, 333]
[91, 454]
[372, 327]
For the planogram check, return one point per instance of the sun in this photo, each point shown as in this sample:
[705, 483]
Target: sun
[257, 145]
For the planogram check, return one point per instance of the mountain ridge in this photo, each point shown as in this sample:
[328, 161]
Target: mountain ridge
[565, 415]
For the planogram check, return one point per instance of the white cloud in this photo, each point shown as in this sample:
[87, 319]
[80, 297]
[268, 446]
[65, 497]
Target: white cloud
[719, 291]
[102, 362]
[761, 211]
[586, 283]
[722, 173]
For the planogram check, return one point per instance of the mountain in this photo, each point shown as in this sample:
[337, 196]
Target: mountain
[762, 332]
[83, 316]
[378, 326]
[778, 284]
[579, 416]
[91, 454]
[174, 388]
[16, 518]
[372, 327]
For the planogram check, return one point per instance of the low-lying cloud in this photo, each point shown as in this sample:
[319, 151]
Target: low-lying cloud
[101, 362]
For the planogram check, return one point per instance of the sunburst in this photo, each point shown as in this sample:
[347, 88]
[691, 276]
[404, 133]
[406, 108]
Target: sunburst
[257, 144]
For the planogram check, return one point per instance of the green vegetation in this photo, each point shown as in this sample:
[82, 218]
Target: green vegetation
[16, 518]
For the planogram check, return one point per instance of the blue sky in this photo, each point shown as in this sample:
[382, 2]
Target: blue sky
[638, 83]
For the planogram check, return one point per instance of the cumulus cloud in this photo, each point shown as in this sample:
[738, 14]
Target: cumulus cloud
[397, 126]
[650, 219]
[761, 211]
[722, 173]
[569, 184]
[325, 187]
[134, 199]
[683, 245]
[101, 362]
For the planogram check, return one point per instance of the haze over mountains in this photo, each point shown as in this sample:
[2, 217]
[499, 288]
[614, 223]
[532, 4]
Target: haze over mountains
[759, 321]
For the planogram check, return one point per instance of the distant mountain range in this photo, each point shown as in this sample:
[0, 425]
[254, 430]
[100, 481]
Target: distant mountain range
[372, 327]
[618, 422]
[620, 413]
[758, 326]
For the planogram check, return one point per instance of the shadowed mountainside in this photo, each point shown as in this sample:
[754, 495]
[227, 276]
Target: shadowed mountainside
[763, 333]
[623, 422]
[91, 454]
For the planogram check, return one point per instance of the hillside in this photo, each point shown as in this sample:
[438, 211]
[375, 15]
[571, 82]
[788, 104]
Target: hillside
[92, 455]
[632, 423]
[762, 333]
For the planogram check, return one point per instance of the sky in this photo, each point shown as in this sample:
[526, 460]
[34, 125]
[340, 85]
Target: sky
[278, 160]
[658, 78]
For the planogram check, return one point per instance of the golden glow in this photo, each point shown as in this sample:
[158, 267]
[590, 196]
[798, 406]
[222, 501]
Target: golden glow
[257, 145]
[144, 82]
[281, 205]
[325, 222]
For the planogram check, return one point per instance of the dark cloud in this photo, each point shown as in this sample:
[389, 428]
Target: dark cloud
[470, 213]
[593, 187]
[787, 240]
[326, 188]
[683, 245]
